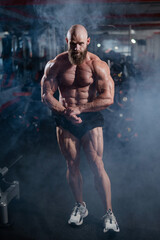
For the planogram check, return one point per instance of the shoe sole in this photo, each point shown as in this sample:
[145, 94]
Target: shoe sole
[112, 229]
[80, 223]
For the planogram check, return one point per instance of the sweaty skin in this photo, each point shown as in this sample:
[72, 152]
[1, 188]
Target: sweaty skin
[85, 87]
[78, 85]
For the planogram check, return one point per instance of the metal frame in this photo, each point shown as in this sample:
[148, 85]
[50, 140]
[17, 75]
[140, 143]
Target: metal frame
[5, 197]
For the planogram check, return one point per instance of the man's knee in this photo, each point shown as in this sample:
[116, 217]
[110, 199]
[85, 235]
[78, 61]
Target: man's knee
[73, 167]
[97, 166]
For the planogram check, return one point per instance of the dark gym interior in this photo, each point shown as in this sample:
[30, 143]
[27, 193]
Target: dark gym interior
[35, 199]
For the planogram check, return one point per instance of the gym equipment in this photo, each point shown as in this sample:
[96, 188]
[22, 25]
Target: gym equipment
[11, 192]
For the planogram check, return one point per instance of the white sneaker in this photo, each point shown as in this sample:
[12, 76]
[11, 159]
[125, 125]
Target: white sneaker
[79, 212]
[110, 222]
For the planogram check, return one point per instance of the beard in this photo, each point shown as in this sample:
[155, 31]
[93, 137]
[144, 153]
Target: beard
[76, 58]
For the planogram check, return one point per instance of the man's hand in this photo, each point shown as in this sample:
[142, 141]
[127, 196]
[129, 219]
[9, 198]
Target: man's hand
[71, 114]
[71, 111]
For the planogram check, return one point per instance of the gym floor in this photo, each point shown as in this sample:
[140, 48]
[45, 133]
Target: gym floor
[46, 201]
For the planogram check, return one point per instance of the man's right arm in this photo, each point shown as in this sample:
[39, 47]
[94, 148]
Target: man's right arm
[49, 86]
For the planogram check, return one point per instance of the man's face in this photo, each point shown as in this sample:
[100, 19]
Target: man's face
[77, 49]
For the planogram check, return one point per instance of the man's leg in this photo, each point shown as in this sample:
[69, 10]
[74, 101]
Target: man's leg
[70, 148]
[92, 143]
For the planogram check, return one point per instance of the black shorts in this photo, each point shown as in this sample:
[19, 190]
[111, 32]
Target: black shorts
[90, 120]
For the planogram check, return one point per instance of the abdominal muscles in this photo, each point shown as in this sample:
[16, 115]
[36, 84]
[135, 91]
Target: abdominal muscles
[76, 86]
[72, 97]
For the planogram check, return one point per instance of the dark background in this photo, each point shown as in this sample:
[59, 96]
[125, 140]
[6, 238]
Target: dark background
[33, 32]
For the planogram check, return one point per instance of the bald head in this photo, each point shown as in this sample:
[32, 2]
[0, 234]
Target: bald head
[77, 30]
[77, 40]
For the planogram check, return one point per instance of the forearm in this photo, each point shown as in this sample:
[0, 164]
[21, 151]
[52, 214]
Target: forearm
[97, 104]
[53, 104]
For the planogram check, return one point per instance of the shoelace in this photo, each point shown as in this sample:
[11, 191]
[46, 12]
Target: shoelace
[109, 215]
[76, 209]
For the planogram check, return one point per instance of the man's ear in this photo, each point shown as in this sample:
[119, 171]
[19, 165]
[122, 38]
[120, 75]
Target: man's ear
[88, 41]
[67, 40]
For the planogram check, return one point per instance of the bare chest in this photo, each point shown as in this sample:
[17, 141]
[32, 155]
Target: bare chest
[75, 77]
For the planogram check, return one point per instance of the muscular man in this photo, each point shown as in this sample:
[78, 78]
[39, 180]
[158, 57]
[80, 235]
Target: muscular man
[85, 88]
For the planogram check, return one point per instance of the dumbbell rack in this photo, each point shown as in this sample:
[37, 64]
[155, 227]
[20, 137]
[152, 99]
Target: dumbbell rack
[6, 196]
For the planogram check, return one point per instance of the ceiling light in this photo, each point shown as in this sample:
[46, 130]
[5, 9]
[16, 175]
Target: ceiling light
[125, 99]
[133, 41]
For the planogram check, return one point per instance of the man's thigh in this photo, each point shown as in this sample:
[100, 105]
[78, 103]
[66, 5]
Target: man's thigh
[69, 144]
[92, 143]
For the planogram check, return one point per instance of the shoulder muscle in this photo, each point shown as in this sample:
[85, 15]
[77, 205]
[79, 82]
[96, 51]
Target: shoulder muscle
[103, 78]
[101, 69]
[49, 81]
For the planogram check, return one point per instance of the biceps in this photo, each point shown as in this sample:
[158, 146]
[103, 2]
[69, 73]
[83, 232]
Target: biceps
[48, 85]
[106, 88]
[111, 87]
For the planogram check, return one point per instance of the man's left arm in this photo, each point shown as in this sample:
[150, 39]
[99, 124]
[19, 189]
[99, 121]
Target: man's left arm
[105, 90]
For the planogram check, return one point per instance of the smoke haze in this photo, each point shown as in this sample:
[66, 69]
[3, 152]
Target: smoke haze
[131, 147]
